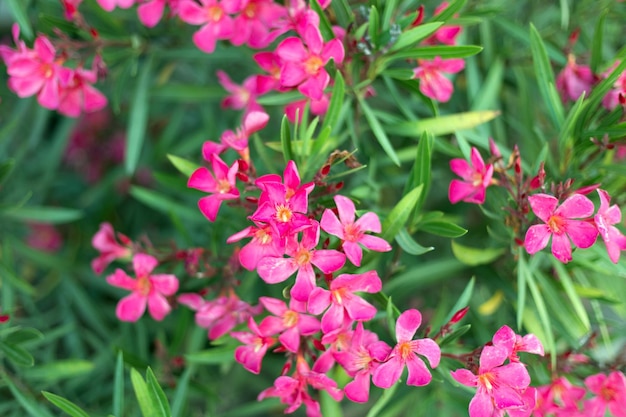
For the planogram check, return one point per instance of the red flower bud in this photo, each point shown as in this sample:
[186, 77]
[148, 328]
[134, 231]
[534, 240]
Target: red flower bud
[459, 315]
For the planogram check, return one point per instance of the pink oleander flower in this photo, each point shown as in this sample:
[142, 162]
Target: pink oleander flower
[104, 242]
[445, 34]
[500, 387]
[214, 17]
[148, 289]
[302, 257]
[506, 338]
[610, 393]
[78, 95]
[256, 343]
[299, 16]
[303, 66]
[476, 178]
[291, 323]
[109, 5]
[241, 96]
[293, 391]
[265, 242]
[151, 11]
[604, 220]
[559, 398]
[405, 354]
[295, 110]
[574, 80]
[344, 303]
[221, 185]
[44, 237]
[255, 22]
[238, 140]
[333, 342]
[270, 63]
[352, 233]
[433, 83]
[220, 315]
[617, 95]
[560, 224]
[360, 361]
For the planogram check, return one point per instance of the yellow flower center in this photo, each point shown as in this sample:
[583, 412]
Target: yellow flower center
[290, 319]
[556, 224]
[303, 257]
[283, 213]
[215, 13]
[262, 236]
[313, 64]
[144, 286]
[405, 350]
[223, 186]
[250, 10]
[486, 380]
[351, 232]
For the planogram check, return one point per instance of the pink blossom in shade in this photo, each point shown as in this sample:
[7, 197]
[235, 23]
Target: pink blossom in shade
[476, 177]
[433, 82]
[44, 237]
[221, 185]
[151, 11]
[610, 393]
[500, 387]
[445, 34]
[299, 16]
[238, 140]
[291, 323]
[109, 5]
[35, 71]
[303, 66]
[574, 80]
[302, 257]
[256, 342]
[343, 301]
[405, 354]
[241, 96]
[604, 220]
[506, 338]
[265, 242]
[293, 391]
[292, 183]
[351, 232]
[270, 63]
[295, 110]
[560, 224]
[148, 289]
[214, 17]
[104, 241]
[255, 21]
[70, 8]
[617, 95]
[78, 95]
[366, 352]
[559, 398]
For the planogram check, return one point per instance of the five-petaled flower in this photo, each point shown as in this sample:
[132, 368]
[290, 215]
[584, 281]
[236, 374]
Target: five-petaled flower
[560, 223]
[604, 220]
[433, 83]
[147, 289]
[476, 178]
[221, 185]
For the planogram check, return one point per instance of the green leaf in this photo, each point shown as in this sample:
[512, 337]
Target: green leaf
[595, 294]
[24, 335]
[463, 301]
[28, 403]
[214, 356]
[182, 389]
[409, 245]
[336, 103]
[458, 332]
[597, 44]
[382, 401]
[52, 215]
[144, 396]
[18, 10]
[185, 166]
[138, 118]
[390, 7]
[443, 228]
[118, 385]
[414, 35]
[442, 125]
[5, 170]
[421, 171]
[164, 204]
[448, 13]
[474, 256]
[430, 52]
[17, 354]
[399, 215]
[65, 405]
[324, 26]
[374, 27]
[570, 290]
[329, 406]
[186, 93]
[158, 396]
[60, 369]
[285, 139]
[378, 131]
[545, 77]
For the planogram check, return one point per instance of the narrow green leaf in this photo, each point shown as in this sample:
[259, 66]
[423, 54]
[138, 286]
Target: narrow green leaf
[17, 354]
[449, 12]
[374, 27]
[28, 403]
[442, 125]
[443, 228]
[213, 356]
[138, 118]
[158, 396]
[14, 281]
[596, 294]
[573, 296]
[390, 7]
[474, 256]
[285, 140]
[6, 168]
[463, 301]
[52, 215]
[18, 10]
[118, 385]
[522, 273]
[409, 245]
[60, 369]
[430, 52]
[399, 215]
[458, 332]
[144, 397]
[597, 44]
[378, 131]
[566, 135]
[325, 27]
[414, 35]
[329, 406]
[24, 335]
[185, 166]
[382, 401]
[65, 405]
[164, 204]
[336, 103]
[182, 389]
[186, 93]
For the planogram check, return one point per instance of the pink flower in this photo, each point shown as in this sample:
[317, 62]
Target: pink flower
[405, 354]
[291, 323]
[445, 34]
[150, 289]
[295, 109]
[617, 95]
[151, 11]
[574, 80]
[254, 22]
[352, 233]
[45, 237]
[242, 96]
[343, 301]
[304, 66]
[270, 63]
[476, 178]
[104, 242]
[303, 256]
[360, 361]
[559, 398]
[214, 18]
[238, 140]
[560, 224]
[109, 5]
[604, 220]
[77, 93]
[433, 83]
[221, 184]
[256, 345]
[265, 242]
[610, 393]
[506, 338]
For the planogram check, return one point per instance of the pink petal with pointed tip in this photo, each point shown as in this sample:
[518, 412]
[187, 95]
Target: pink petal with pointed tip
[292, 50]
[345, 208]
[561, 247]
[419, 375]
[120, 279]
[158, 307]
[275, 270]
[318, 301]
[353, 252]
[375, 243]
[388, 373]
[327, 260]
[428, 348]
[582, 233]
[331, 224]
[131, 307]
[333, 50]
[202, 179]
[575, 206]
[465, 377]
[543, 205]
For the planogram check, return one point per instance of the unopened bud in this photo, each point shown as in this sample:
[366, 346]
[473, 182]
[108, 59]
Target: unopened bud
[242, 177]
[325, 170]
[458, 316]
[252, 200]
[339, 185]
[420, 16]
[318, 345]
[243, 165]
[124, 239]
